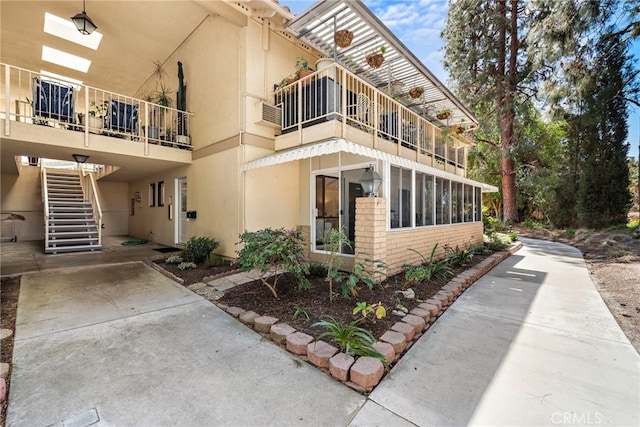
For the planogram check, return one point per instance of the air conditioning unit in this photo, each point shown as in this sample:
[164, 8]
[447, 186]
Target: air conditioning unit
[270, 115]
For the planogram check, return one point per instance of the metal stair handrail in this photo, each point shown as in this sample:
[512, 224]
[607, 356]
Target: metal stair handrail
[45, 202]
[91, 195]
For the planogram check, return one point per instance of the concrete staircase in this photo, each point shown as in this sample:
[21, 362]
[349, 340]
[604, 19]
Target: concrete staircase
[71, 226]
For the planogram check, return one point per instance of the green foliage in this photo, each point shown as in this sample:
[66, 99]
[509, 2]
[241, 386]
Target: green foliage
[213, 260]
[571, 233]
[496, 243]
[317, 269]
[186, 266]
[530, 223]
[274, 252]
[299, 311]
[334, 240]
[174, 259]
[351, 339]
[512, 236]
[633, 224]
[197, 249]
[430, 269]
[377, 311]
[457, 257]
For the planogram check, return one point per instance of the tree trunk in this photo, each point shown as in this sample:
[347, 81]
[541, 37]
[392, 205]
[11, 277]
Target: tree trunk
[510, 210]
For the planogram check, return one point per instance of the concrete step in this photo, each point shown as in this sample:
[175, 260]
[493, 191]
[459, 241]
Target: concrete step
[72, 227]
[78, 221]
[73, 241]
[72, 234]
[78, 248]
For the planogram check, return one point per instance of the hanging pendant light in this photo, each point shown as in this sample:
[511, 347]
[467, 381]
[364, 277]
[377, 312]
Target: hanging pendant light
[83, 23]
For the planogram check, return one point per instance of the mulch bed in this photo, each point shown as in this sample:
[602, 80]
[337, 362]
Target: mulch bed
[315, 302]
[196, 274]
[9, 291]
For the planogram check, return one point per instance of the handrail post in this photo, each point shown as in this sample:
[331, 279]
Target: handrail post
[45, 202]
[7, 100]
[86, 115]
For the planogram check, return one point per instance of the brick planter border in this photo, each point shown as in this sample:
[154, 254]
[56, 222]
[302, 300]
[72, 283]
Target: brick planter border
[362, 380]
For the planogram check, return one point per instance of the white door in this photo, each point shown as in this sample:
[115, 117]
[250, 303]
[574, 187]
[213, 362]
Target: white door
[181, 210]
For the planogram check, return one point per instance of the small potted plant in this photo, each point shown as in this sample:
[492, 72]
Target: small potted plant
[302, 67]
[443, 114]
[416, 92]
[97, 113]
[376, 58]
[396, 87]
[343, 38]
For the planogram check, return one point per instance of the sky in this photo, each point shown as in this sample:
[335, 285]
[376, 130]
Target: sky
[418, 24]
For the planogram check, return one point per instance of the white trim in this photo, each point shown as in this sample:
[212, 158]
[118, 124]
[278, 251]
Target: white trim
[339, 145]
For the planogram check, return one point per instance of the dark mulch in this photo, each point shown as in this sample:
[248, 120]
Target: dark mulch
[9, 291]
[315, 302]
[197, 274]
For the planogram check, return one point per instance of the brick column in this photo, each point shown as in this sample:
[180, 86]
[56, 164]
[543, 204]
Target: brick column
[371, 229]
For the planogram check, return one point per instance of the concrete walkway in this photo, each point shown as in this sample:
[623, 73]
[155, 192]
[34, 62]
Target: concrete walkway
[531, 343]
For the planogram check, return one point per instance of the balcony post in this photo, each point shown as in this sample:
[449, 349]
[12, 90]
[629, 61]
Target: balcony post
[86, 116]
[146, 128]
[7, 100]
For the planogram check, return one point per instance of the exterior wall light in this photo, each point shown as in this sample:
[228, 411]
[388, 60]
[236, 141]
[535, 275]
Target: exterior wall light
[370, 182]
[80, 158]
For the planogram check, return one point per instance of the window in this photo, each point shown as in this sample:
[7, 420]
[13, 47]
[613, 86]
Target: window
[424, 199]
[400, 197]
[456, 202]
[468, 203]
[478, 210]
[152, 194]
[443, 201]
[161, 193]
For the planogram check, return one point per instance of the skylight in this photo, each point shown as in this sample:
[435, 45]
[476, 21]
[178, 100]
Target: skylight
[46, 75]
[65, 29]
[65, 59]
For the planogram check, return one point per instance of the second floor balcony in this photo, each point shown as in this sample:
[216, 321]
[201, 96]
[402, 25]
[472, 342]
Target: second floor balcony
[333, 102]
[51, 117]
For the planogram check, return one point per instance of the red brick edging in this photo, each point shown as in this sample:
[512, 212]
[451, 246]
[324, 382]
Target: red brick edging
[364, 373]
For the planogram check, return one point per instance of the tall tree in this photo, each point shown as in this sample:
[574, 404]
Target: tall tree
[498, 52]
[603, 193]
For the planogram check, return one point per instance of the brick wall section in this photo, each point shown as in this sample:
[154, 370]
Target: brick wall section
[370, 229]
[423, 240]
[373, 240]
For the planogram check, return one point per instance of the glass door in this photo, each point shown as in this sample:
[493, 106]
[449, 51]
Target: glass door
[335, 207]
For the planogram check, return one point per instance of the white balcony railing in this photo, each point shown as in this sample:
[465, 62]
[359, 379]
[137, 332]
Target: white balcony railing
[29, 97]
[335, 93]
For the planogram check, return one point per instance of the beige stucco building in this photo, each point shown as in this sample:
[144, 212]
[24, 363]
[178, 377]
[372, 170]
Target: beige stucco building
[255, 150]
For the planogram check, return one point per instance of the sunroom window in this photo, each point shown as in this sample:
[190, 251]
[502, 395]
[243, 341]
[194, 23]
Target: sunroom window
[424, 199]
[400, 197]
[443, 201]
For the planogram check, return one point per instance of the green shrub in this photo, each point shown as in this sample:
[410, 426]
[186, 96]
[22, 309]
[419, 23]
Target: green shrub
[317, 269]
[456, 257]
[213, 260]
[513, 236]
[571, 233]
[197, 249]
[174, 259]
[186, 265]
[428, 270]
[351, 339]
[274, 252]
[495, 243]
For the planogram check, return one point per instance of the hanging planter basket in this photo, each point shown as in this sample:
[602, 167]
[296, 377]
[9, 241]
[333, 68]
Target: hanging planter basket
[343, 38]
[416, 92]
[374, 60]
[443, 114]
